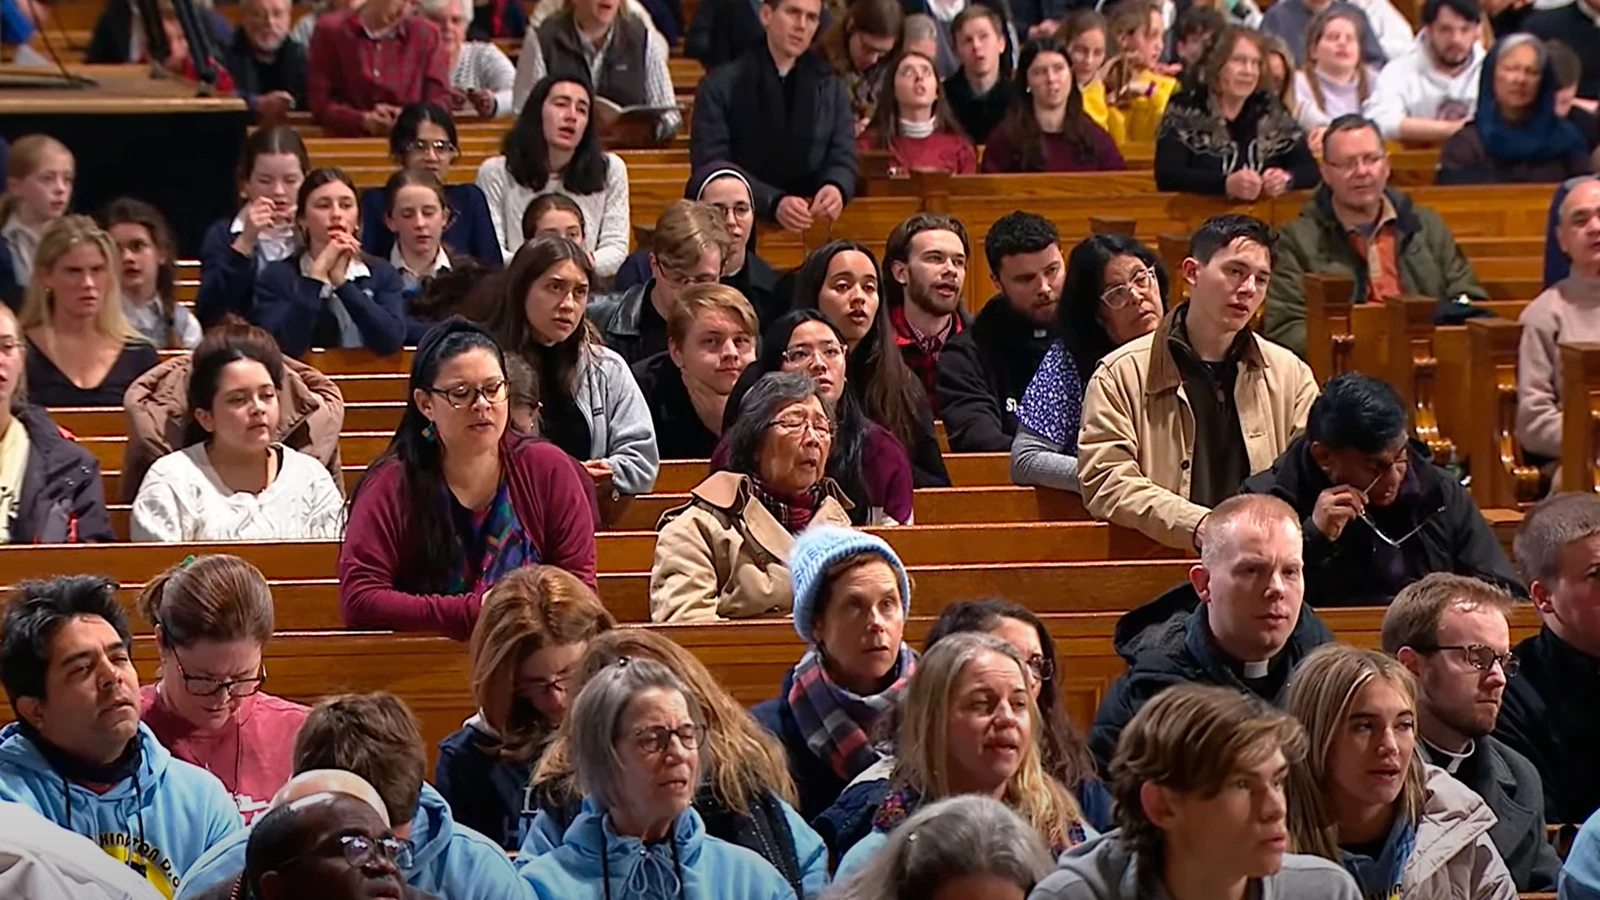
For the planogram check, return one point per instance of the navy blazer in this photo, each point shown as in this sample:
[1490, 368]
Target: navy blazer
[468, 230]
[227, 278]
[290, 305]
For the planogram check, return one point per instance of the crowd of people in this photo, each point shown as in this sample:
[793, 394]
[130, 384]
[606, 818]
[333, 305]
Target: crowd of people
[1245, 752]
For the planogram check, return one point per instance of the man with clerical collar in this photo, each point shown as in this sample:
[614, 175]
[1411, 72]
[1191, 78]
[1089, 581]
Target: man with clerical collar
[1452, 633]
[1238, 621]
[78, 754]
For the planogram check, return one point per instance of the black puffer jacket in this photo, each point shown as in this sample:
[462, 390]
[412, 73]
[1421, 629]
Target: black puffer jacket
[62, 499]
[1168, 641]
[1359, 569]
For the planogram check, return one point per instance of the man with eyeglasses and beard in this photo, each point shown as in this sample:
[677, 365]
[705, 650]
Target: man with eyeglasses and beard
[1452, 633]
[1376, 512]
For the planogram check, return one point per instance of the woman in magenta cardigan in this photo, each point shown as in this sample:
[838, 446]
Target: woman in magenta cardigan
[914, 124]
[457, 501]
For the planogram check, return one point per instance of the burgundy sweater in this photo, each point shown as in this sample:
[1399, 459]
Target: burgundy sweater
[1059, 154]
[552, 499]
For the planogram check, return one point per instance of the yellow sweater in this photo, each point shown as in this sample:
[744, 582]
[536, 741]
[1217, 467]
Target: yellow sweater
[1144, 105]
[1106, 116]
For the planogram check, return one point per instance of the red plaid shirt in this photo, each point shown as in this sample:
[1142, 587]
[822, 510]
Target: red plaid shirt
[350, 71]
[921, 351]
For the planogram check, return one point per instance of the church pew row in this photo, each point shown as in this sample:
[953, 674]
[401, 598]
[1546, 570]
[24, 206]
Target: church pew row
[1580, 418]
[747, 658]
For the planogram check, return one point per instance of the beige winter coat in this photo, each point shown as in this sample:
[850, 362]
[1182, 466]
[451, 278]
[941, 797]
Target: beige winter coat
[1136, 444]
[1453, 858]
[311, 415]
[723, 555]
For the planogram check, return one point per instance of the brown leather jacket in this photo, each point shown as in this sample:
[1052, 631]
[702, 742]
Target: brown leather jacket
[156, 404]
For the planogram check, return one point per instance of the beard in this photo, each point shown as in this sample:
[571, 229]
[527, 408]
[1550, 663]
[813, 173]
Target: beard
[930, 301]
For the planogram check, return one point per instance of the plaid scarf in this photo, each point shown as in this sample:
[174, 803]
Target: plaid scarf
[492, 543]
[902, 802]
[793, 511]
[835, 721]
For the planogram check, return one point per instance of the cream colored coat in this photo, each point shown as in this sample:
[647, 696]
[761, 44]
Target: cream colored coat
[723, 555]
[1453, 858]
[1136, 443]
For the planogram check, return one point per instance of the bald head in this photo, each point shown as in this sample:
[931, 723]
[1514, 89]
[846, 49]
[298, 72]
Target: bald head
[1578, 230]
[329, 845]
[330, 781]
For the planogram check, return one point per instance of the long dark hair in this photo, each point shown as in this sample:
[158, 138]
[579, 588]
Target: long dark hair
[849, 435]
[409, 122]
[885, 124]
[432, 539]
[556, 365]
[1078, 325]
[222, 345]
[1021, 128]
[1065, 755]
[889, 392]
[527, 150]
[128, 211]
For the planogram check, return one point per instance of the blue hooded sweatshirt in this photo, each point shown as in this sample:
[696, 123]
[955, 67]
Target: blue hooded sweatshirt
[709, 868]
[160, 819]
[447, 859]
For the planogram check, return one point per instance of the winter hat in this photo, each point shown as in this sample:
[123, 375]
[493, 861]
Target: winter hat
[816, 550]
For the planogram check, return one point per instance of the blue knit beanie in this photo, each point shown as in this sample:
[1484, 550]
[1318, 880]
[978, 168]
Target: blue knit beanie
[816, 550]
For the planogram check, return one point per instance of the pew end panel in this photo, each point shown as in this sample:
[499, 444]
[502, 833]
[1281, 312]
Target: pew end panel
[1412, 367]
[1499, 478]
[1580, 416]
[1328, 338]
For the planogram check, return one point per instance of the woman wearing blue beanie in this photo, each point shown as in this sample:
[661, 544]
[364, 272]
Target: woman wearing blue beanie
[851, 600]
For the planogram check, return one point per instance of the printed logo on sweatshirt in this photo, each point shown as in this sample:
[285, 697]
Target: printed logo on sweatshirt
[143, 858]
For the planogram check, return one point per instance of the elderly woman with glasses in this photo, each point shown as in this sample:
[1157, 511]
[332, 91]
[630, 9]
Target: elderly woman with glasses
[637, 740]
[725, 553]
[1112, 294]
[212, 617]
[423, 140]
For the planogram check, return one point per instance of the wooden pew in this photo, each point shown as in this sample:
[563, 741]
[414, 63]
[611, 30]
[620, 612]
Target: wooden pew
[1499, 479]
[1580, 417]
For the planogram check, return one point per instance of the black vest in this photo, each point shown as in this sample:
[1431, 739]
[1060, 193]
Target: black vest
[622, 73]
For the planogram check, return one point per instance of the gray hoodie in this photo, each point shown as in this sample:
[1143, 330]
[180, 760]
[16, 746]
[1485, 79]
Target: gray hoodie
[1104, 869]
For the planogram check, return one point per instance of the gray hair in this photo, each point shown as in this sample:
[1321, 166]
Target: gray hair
[919, 27]
[1552, 524]
[436, 9]
[595, 721]
[959, 836]
[1513, 41]
[771, 392]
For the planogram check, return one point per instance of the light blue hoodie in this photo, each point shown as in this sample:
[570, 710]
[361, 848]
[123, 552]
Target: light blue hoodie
[711, 868]
[162, 818]
[809, 851]
[447, 859]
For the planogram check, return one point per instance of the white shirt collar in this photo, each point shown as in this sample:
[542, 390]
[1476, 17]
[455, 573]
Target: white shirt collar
[276, 243]
[441, 263]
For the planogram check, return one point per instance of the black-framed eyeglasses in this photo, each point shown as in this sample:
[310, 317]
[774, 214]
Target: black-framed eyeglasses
[657, 738]
[210, 687]
[1041, 667]
[464, 395]
[441, 148]
[1481, 657]
[358, 849]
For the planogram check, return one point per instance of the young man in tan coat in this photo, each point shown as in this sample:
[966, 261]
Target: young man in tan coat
[1173, 422]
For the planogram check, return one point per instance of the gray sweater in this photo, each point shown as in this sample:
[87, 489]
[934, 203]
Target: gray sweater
[1104, 869]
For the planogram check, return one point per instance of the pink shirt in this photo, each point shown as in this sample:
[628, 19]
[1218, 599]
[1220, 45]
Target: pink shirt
[251, 755]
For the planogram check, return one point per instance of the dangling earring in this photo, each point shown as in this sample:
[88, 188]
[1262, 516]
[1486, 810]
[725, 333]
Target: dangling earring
[430, 434]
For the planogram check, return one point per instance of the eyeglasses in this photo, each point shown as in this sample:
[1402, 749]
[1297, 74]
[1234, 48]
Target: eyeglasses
[737, 210]
[679, 279]
[1481, 657]
[210, 687]
[9, 347]
[657, 738]
[358, 850]
[796, 422]
[1041, 667]
[1366, 161]
[829, 352]
[464, 395]
[557, 682]
[438, 148]
[1394, 542]
[1121, 295]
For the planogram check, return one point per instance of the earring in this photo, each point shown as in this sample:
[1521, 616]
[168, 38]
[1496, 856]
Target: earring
[430, 434]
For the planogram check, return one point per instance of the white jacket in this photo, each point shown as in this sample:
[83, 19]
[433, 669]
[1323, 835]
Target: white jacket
[42, 861]
[1411, 87]
[1393, 32]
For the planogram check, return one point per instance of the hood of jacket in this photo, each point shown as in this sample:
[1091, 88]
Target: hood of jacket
[1453, 820]
[1169, 635]
[57, 469]
[646, 867]
[431, 828]
[127, 797]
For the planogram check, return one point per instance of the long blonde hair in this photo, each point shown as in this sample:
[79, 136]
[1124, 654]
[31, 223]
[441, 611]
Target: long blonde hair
[38, 305]
[24, 158]
[742, 759]
[922, 753]
[1320, 694]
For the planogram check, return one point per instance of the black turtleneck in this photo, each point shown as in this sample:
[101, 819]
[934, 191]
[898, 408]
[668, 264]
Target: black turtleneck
[1548, 715]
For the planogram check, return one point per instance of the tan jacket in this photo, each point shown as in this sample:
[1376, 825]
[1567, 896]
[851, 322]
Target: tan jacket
[1136, 443]
[1453, 857]
[723, 555]
[157, 407]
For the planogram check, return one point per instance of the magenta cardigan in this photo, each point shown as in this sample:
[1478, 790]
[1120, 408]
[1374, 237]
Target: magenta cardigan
[553, 499]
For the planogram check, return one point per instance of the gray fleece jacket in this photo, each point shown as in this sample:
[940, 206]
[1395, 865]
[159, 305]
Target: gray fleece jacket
[1104, 869]
[620, 429]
